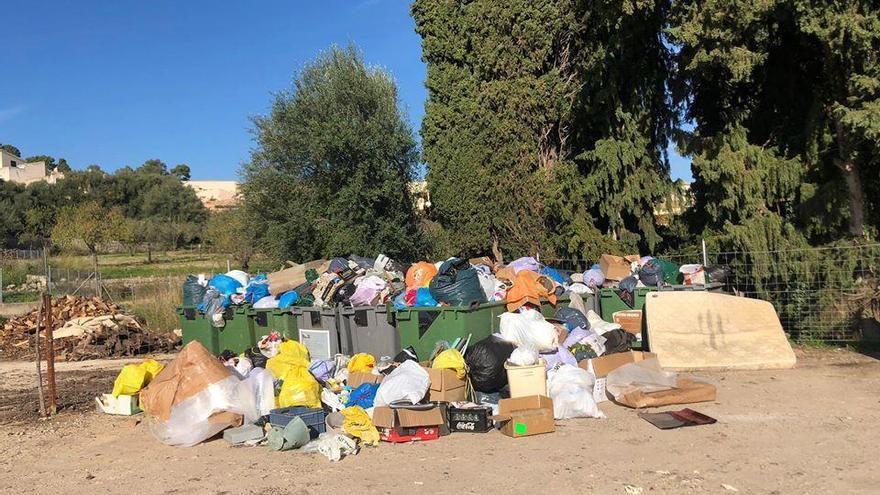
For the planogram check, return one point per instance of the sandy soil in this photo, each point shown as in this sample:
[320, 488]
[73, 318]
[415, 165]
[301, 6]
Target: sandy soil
[810, 430]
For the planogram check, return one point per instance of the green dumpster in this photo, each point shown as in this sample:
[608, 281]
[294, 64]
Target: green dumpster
[610, 301]
[236, 335]
[196, 327]
[267, 320]
[423, 327]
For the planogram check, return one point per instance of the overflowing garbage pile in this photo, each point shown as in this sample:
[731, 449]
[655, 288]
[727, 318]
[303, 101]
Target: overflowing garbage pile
[84, 328]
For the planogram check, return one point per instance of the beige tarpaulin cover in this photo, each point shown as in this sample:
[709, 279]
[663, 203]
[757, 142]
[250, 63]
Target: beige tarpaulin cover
[700, 330]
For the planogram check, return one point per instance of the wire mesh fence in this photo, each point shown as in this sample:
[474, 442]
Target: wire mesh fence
[828, 293]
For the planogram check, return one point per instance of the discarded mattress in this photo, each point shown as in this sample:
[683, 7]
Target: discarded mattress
[704, 330]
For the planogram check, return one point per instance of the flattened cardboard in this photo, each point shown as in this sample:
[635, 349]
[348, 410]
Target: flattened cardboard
[630, 320]
[615, 268]
[289, 278]
[686, 392]
[445, 386]
[191, 372]
[603, 365]
[358, 378]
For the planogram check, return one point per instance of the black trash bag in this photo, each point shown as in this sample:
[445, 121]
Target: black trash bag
[485, 361]
[193, 291]
[343, 295]
[717, 273]
[457, 284]
[626, 288]
[226, 355]
[651, 273]
[257, 358]
[572, 317]
[408, 354]
[618, 341]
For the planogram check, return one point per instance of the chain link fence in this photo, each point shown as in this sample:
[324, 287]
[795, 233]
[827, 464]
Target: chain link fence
[825, 294]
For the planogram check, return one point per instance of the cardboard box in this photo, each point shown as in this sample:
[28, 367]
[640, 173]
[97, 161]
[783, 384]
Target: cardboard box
[615, 268]
[445, 386]
[629, 320]
[602, 365]
[526, 416]
[358, 378]
[407, 425]
[124, 405]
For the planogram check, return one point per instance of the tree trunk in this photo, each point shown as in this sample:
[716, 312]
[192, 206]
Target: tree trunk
[97, 275]
[847, 164]
[149, 253]
[496, 251]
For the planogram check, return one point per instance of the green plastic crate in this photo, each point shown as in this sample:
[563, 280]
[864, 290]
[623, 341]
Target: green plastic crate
[267, 320]
[422, 328]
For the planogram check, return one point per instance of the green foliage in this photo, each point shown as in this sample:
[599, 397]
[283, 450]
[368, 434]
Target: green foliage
[10, 149]
[526, 94]
[231, 232]
[334, 156]
[88, 224]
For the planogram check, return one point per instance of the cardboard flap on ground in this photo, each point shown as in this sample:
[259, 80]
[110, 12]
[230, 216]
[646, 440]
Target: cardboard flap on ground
[445, 386]
[358, 378]
[602, 365]
[615, 267]
[686, 392]
[524, 416]
[708, 330]
[285, 280]
[386, 417]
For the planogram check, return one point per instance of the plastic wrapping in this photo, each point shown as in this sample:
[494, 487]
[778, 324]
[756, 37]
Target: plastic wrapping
[645, 376]
[572, 317]
[409, 382]
[268, 302]
[523, 356]
[651, 272]
[193, 291]
[260, 383]
[420, 274]
[571, 389]
[291, 354]
[225, 284]
[529, 328]
[299, 388]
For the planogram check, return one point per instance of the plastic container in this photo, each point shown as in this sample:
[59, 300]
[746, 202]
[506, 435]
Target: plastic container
[422, 328]
[527, 380]
[693, 274]
[369, 329]
[313, 418]
[267, 320]
[319, 329]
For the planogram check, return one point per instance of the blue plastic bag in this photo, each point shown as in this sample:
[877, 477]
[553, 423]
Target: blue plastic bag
[257, 289]
[400, 301]
[288, 299]
[224, 284]
[553, 274]
[424, 298]
[363, 396]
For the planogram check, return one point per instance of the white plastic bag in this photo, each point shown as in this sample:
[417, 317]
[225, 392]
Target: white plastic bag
[268, 302]
[189, 422]
[529, 329]
[598, 325]
[646, 376]
[261, 385]
[571, 389]
[524, 356]
[408, 382]
[487, 283]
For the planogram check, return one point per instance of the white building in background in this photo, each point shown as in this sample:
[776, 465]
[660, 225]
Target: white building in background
[14, 169]
[216, 194]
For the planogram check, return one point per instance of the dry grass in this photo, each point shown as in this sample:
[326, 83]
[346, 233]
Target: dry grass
[157, 304]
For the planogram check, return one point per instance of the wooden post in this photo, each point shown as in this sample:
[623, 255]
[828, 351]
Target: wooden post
[50, 353]
[39, 364]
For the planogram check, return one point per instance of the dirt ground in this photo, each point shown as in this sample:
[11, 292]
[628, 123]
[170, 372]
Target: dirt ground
[813, 429]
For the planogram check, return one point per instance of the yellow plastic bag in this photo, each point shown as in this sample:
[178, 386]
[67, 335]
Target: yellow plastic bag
[133, 377]
[450, 359]
[290, 354]
[358, 424]
[130, 380]
[362, 362]
[299, 389]
[153, 368]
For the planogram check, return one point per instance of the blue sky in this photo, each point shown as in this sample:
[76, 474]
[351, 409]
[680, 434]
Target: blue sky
[117, 83]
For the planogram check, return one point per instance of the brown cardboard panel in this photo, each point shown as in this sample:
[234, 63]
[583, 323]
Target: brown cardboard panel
[630, 320]
[686, 392]
[507, 406]
[614, 267]
[445, 386]
[603, 365]
[383, 417]
[289, 278]
[358, 378]
[529, 422]
[411, 417]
